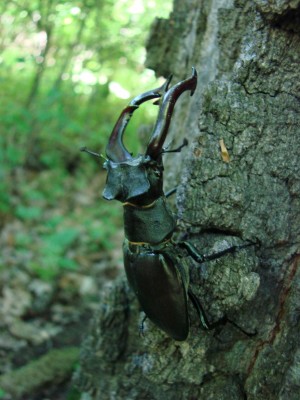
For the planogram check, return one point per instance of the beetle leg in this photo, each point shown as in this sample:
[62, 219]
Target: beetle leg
[198, 306]
[201, 258]
[178, 149]
[206, 325]
[193, 252]
[250, 334]
[141, 326]
[202, 315]
[170, 192]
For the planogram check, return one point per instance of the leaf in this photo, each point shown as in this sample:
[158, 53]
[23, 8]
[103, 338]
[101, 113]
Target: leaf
[28, 213]
[224, 152]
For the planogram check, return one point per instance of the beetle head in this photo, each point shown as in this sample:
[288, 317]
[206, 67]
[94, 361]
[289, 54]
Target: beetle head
[139, 179]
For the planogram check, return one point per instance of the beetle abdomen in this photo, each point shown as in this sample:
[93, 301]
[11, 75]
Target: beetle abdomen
[160, 288]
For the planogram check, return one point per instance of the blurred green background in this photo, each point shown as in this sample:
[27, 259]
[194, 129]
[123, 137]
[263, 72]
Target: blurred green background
[67, 68]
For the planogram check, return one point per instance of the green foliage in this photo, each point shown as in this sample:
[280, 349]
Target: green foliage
[52, 234]
[52, 253]
[67, 68]
[74, 394]
[2, 393]
[55, 366]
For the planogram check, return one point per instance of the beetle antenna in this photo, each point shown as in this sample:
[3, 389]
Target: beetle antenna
[92, 153]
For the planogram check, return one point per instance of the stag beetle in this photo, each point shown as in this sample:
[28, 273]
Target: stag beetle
[155, 265]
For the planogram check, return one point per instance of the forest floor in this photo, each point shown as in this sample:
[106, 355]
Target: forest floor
[44, 316]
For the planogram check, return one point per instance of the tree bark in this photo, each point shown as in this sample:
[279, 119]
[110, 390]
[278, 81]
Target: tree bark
[244, 188]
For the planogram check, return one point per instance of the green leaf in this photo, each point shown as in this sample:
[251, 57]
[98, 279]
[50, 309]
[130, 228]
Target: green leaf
[28, 213]
[68, 263]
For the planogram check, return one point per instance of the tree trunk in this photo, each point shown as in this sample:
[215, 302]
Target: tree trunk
[238, 182]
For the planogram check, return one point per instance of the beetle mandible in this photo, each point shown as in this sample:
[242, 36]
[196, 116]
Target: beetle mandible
[155, 265]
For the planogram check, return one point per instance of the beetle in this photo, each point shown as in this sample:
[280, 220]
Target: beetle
[155, 265]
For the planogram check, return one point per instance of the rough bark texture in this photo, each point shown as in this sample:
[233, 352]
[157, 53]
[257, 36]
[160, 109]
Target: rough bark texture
[247, 56]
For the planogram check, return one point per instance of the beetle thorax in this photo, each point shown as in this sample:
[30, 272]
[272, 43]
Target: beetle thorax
[151, 224]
